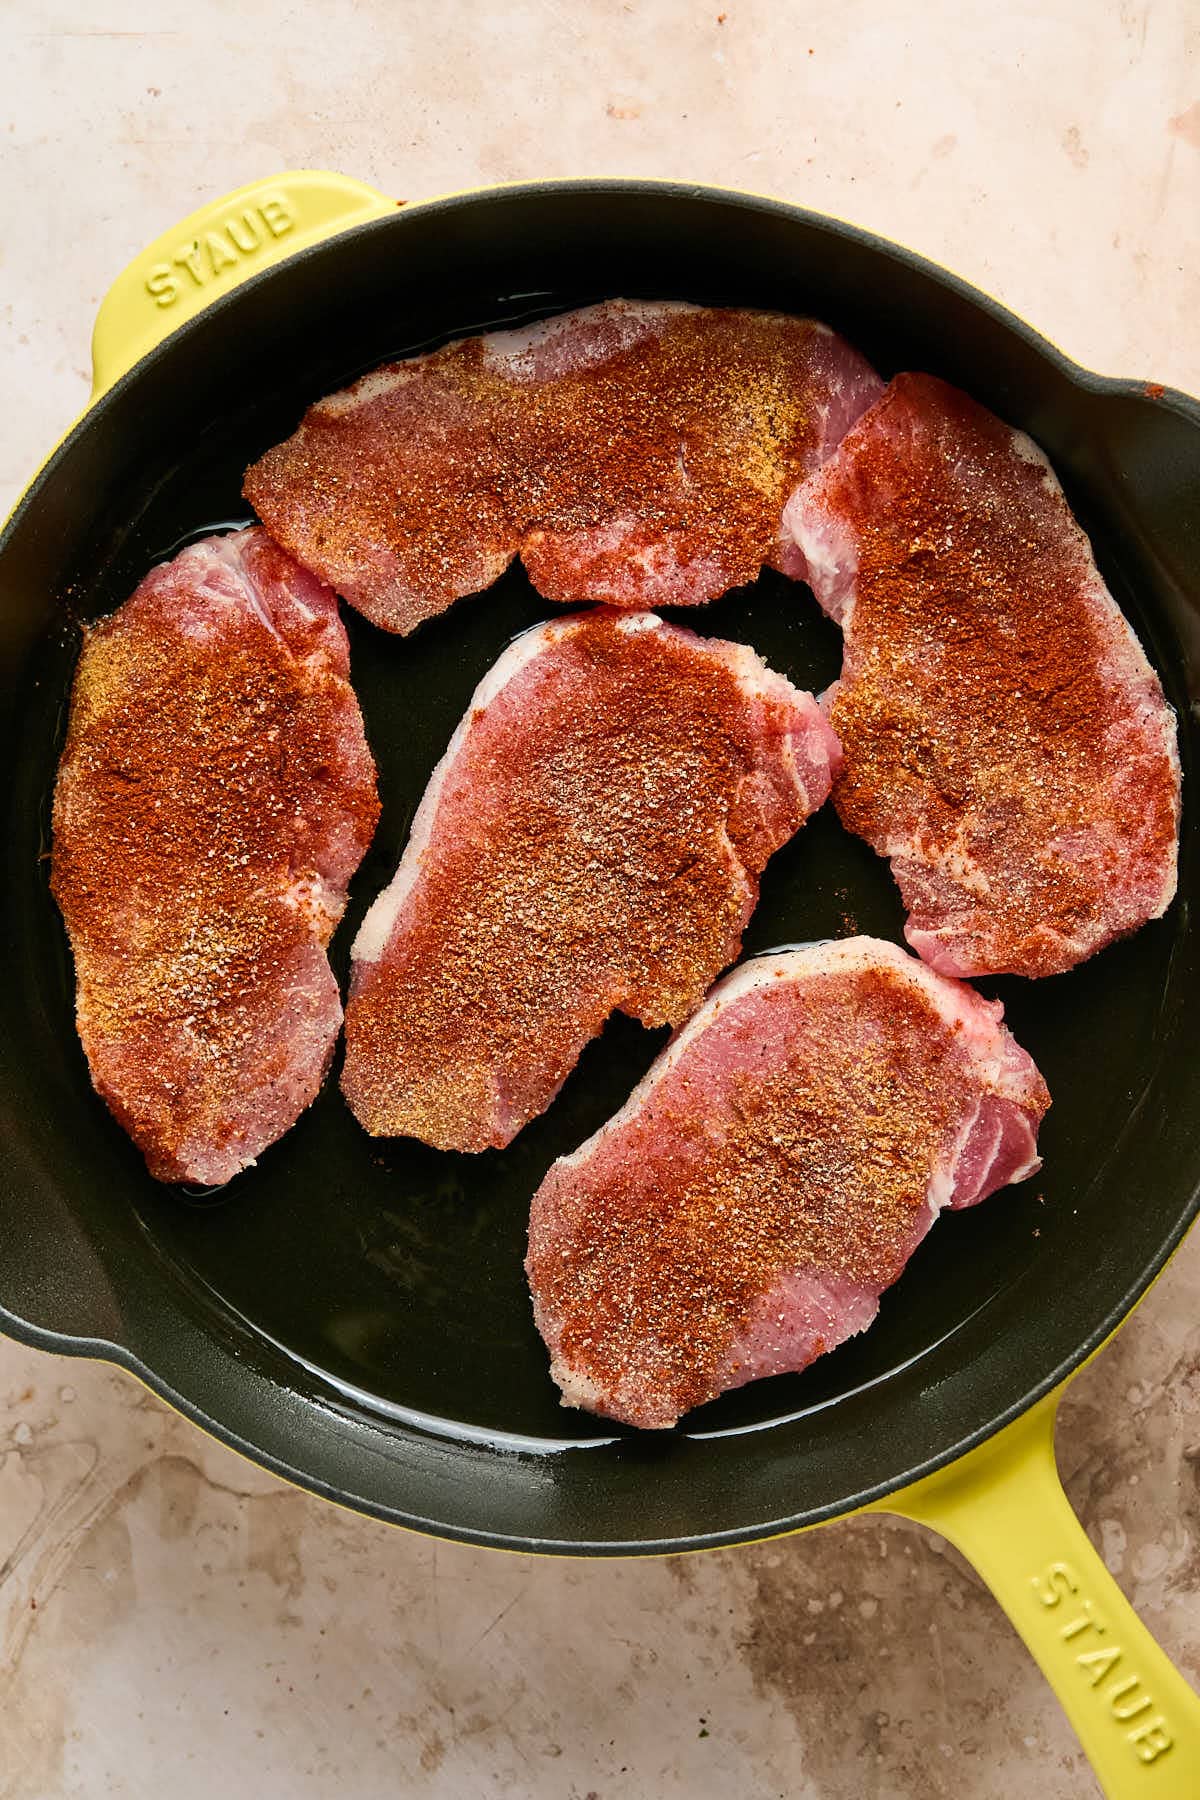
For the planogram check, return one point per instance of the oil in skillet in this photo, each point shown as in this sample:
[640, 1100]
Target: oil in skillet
[197, 534]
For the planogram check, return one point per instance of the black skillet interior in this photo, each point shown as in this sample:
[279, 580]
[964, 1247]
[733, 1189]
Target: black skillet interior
[354, 1312]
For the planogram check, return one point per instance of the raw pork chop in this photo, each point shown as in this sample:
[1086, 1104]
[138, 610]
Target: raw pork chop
[637, 452]
[1007, 744]
[214, 797]
[590, 841]
[771, 1176]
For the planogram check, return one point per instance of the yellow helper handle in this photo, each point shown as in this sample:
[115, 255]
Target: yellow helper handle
[216, 248]
[1004, 1507]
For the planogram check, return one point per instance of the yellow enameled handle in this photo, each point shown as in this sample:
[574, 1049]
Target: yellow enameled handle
[216, 248]
[1004, 1507]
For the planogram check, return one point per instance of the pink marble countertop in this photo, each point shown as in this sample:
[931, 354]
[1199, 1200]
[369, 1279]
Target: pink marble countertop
[174, 1621]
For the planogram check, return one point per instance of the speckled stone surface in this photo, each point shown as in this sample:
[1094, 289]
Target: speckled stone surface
[172, 1620]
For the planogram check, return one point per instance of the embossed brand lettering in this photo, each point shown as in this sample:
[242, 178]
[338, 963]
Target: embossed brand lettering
[244, 231]
[188, 257]
[1097, 1663]
[219, 253]
[228, 243]
[1151, 1739]
[1059, 1579]
[1125, 1698]
[1117, 1692]
[278, 214]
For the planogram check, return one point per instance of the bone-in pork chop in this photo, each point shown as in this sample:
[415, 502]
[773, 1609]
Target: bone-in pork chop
[638, 453]
[591, 841]
[214, 797]
[771, 1176]
[1007, 744]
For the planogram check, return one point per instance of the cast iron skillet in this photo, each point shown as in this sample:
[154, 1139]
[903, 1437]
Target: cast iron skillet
[353, 1314]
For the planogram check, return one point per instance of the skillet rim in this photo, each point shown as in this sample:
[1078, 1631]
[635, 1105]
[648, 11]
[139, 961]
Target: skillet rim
[122, 1355]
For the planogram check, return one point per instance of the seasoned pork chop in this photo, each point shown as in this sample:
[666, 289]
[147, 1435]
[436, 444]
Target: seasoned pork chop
[1007, 744]
[214, 797]
[591, 841]
[771, 1176]
[637, 452]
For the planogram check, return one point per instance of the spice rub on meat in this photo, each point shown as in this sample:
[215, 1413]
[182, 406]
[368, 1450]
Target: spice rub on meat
[1007, 744]
[637, 453]
[214, 797]
[771, 1176]
[590, 842]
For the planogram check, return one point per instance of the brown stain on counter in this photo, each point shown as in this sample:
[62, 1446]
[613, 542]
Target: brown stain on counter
[1073, 144]
[922, 1712]
[433, 1753]
[1186, 125]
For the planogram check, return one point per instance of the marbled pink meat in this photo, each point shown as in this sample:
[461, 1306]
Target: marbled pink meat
[1007, 744]
[771, 1176]
[637, 453]
[214, 797]
[591, 841]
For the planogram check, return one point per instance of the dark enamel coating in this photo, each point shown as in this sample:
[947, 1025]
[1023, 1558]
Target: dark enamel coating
[353, 1314]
